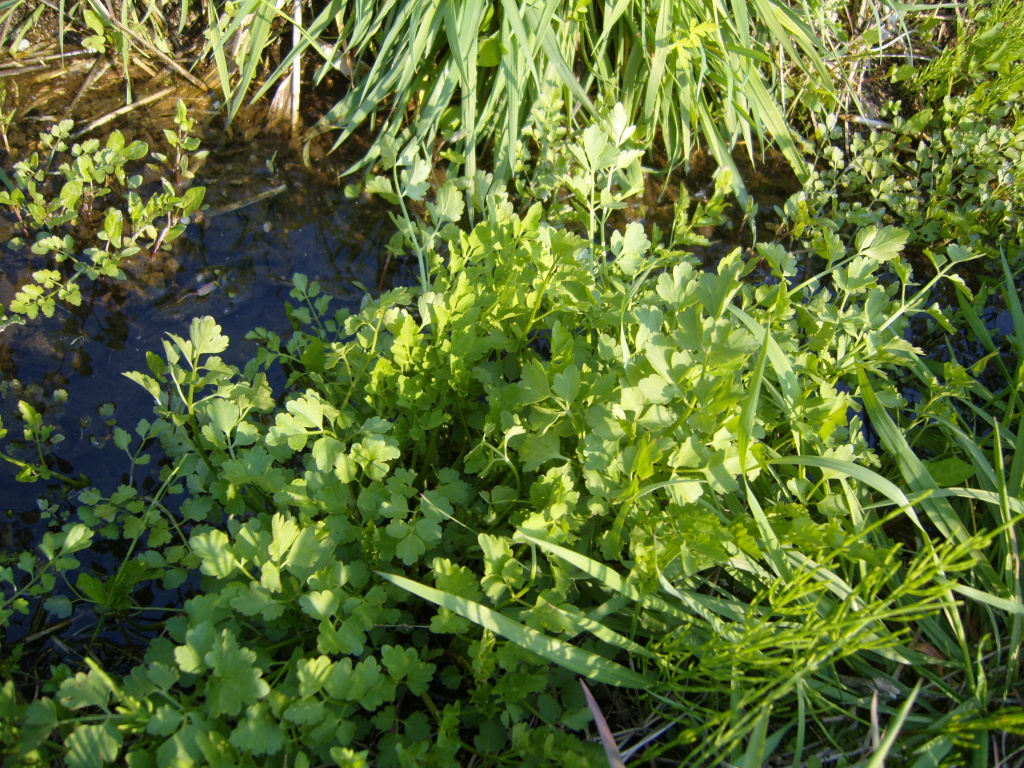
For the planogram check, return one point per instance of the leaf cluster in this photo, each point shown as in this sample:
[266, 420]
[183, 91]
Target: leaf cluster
[79, 207]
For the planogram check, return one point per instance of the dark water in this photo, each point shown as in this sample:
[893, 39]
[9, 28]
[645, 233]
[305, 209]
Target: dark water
[234, 266]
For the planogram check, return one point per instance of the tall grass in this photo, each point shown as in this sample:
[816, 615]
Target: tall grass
[463, 76]
[468, 74]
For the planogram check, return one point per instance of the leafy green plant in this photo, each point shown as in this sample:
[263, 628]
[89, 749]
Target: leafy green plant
[569, 453]
[944, 176]
[60, 216]
[941, 164]
[987, 62]
[42, 437]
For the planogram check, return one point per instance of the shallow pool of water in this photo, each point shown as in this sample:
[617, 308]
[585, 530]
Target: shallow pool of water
[235, 265]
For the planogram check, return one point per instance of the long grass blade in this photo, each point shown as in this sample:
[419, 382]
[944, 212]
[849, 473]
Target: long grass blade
[702, 605]
[577, 660]
[611, 749]
[912, 468]
[878, 758]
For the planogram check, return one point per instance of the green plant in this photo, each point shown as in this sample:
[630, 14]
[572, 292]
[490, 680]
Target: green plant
[56, 209]
[987, 62]
[944, 176]
[467, 75]
[551, 464]
[474, 74]
[42, 437]
[941, 164]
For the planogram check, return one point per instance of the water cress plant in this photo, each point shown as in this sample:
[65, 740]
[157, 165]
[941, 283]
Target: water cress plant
[78, 206]
[561, 456]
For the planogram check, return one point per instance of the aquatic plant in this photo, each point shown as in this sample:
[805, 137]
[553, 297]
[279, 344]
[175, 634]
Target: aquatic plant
[59, 210]
[710, 496]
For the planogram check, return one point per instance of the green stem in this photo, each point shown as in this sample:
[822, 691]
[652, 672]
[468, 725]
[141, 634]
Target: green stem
[45, 472]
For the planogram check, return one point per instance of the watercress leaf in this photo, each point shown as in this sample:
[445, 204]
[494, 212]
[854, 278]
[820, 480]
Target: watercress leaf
[93, 746]
[206, 338]
[76, 538]
[121, 438]
[86, 689]
[827, 244]
[501, 569]
[567, 383]
[880, 245]
[164, 721]
[535, 450]
[320, 604]
[533, 384]
[374, 452]
[347, 638]
[364, 683]
[405, 664]
[449, 206]
[58, 605]
[198, 641]
[306, 554]
[415, 180]
[162, 676]
[455, 579]
[92, 588]
[258, 733]
[312, 674]
[630, 248]
[254, 600]
[285, 530]
[41, 713]
[236, 681]
[959, 253]
[306, 712]
[214, 551]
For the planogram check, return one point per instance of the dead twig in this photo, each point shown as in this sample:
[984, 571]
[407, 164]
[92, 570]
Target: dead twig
[124, 111]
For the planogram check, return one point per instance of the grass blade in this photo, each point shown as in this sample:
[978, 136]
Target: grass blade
[611, 749]
[878, 758]
[577, 660]
[912, 468]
